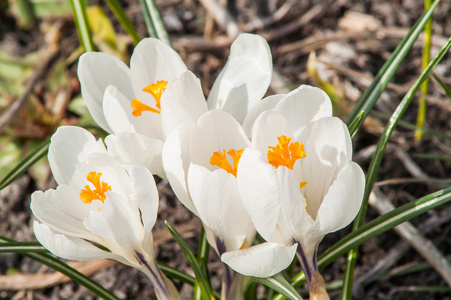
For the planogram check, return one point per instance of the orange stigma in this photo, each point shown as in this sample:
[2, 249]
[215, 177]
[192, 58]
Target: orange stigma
[285, 153]
[156, 90]
[220, 159]
[100, 188]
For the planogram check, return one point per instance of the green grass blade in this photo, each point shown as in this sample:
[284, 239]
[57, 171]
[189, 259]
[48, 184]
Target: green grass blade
[355, 124]
[377, 158]
[22, 247]
[65, 269]
[279, 284]
[421, 117]
[25, 164]
[81, 23]
[376, 227]
[204, 285]
[118, 11]
[202, 258]
[443, 85]
[176, 274]
[387, 71]
[155, 25]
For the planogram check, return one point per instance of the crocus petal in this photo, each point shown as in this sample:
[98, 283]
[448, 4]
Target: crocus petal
[258, 187]
[118, 222]
[267, 128]
[219, 205]
[130, 147]
[205, 138]
[145, 195]
[267, 103]
[96, 71]
[245, 77]
[340, 205]
[304, 105]
[116, 111]
[68, 146]
[183, 101]
[153, 60]
[175, 158]
[262, 260]
[327, 148]
[67, 247]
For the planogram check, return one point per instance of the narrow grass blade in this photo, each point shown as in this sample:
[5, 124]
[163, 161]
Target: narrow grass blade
[118, 11]
[155, 25]
[25, 164]
[425, 86]
[176, 274]
[279, 284]
[81, 23]
[376, 227]
[65, 269]
[202, 258]
[443, 85]
[203, 283]
[355, 124]
[22, 247]
[377, 158]
[387, 71]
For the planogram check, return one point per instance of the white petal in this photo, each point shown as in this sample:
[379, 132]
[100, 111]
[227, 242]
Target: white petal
[341, 204]
[67, 247]
[304, 105]
[153, 60]
[259, 191]
[70, 145]
[219, 206]
[267, 128]
[216, 131]
[245, 77]
[130, 147]
[116, 110]
[145, 195]
[267, 103]
[176, 161]
[182, 101]
[327, 149]
[96, 71]
[262, 260]
[118, 222]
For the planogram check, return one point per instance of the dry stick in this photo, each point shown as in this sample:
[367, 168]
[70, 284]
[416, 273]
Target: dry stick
[279, 14]
[413, 236]
[9, 114]
[400, 248]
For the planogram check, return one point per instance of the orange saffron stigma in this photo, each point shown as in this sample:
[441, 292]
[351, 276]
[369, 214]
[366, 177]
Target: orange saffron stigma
[285, 153]
[100, 188]
[156, 90]
[219, 159]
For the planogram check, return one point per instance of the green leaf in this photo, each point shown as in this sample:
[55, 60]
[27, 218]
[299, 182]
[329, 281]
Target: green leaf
[277, 283]
[376, 227]
[202, 258]
[155, 25]
[443, 85]
[22, 247]
[117, 10]
[203, 282]
[65, 269]
[355, 124]
[176, 274]
[377, 158]
[25, 164]
[82, 25]
[369, 98]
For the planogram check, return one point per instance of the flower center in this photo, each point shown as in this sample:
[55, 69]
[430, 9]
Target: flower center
[100, 188]
[156, 90]
[286, 153]
[220, 159]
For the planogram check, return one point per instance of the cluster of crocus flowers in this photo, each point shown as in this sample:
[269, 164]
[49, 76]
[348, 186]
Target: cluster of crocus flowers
[280, 166]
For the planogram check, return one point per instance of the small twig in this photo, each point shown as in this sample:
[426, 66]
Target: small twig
[279, 14]
[413, 236]
[9, 114]
[222, 17]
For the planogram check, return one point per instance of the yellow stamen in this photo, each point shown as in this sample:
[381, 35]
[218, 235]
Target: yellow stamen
[156, 90]
[219, 159]
[302, 184]
[100, 188]
[285, 153]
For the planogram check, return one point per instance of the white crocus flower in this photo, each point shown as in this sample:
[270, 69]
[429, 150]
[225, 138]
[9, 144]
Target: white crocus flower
[297, 180]
[139, 106]
[100, 209]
